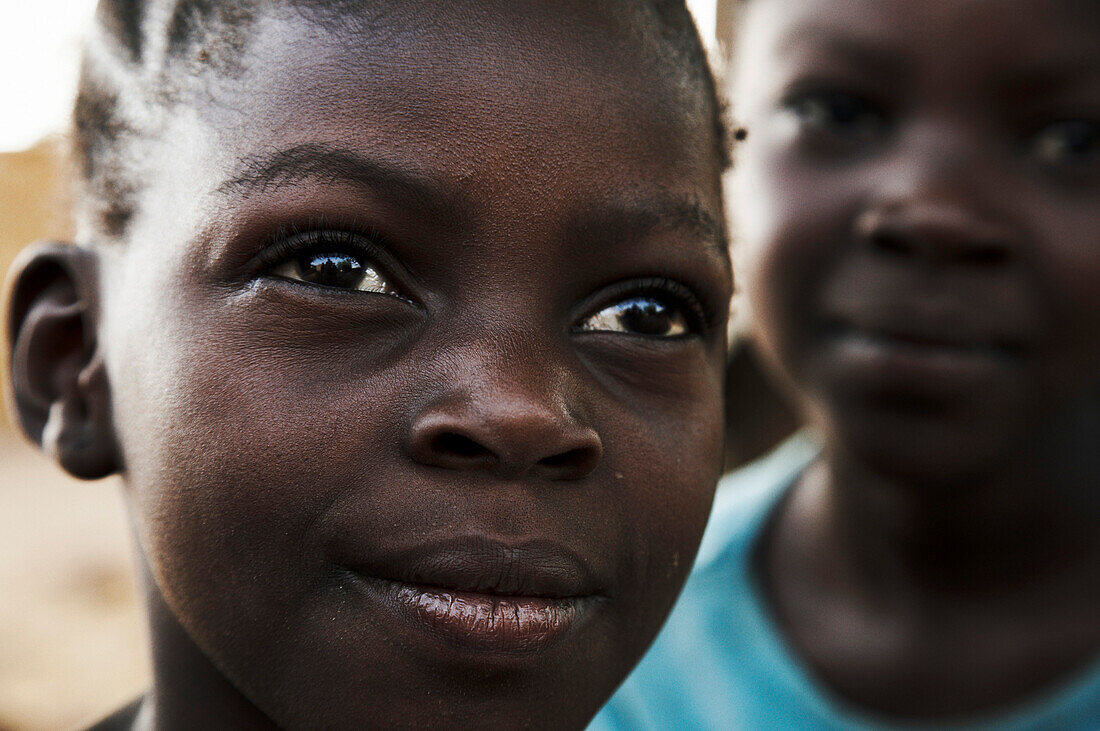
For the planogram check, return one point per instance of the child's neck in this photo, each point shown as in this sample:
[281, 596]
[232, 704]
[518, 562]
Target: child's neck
[187, 692]
[1015, 525]
[920, 601]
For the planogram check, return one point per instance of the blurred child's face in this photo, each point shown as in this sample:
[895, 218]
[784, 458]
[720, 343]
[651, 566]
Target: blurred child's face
[416, 359]
[918, 203]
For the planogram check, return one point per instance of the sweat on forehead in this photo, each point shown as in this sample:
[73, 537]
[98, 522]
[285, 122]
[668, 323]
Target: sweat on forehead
[146, 58]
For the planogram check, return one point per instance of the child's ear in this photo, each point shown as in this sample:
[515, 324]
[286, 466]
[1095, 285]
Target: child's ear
[58, 378]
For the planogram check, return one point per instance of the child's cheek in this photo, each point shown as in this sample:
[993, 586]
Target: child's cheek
[238, 429]
[1068, 271]
[793, 226]
[665, 452]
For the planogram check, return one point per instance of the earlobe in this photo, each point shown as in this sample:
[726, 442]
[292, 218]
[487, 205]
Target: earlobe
[58, 379]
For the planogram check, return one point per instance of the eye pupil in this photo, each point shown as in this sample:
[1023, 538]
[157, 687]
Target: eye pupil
[844, 109]
[1080, 137]
[646, 317]
[331, 270]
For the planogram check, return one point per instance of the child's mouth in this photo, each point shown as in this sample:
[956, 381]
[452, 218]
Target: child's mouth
[924, 354]
[484, 595]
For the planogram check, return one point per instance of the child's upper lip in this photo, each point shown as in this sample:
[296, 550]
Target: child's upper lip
[959, 336]
[925, 322]
[477, 564]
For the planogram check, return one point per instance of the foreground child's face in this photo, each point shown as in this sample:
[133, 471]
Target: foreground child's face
[413, 316]
[919, 202]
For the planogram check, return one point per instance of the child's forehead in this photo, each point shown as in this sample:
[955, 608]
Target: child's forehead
[1012, 34]
[485, 41]
[541, 101]
[460, 53]
[473, 126]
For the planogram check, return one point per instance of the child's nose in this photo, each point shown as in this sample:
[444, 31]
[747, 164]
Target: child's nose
[934, 200]
[507, 425]
[938, 232]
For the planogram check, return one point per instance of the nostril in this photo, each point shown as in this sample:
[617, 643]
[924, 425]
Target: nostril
[891, 242]
[984, 256]
[565, 459]
[941, 247]
[510, 446]
[571, 464]
[457, 445]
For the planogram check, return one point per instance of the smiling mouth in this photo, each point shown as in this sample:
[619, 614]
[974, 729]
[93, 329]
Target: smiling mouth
[930, 347]
[924, 358]
[483, 595]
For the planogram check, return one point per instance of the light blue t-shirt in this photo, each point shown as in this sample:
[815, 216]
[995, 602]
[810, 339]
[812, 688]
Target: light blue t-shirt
[720, 663]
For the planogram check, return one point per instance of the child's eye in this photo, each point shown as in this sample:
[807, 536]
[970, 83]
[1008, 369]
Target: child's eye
[1067, 142]
[639, 316]
[327, 259]
[670, 312]
[836, 112]
[333, 269]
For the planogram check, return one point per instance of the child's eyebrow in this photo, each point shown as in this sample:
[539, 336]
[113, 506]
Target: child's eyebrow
[861, 53]
[318, 162]
[628, 219]
[1048, 78]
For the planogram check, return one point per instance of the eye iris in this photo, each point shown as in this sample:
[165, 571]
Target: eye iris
[829, 109]
[1070, 138]
[838, 113]
[647, 316]
[331, 270]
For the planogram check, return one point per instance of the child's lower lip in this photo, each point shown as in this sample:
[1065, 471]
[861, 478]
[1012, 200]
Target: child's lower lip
[513, 624]
[937, 366]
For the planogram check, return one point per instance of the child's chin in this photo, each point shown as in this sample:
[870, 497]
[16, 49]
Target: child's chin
[380, 669]
[926, 449]
[539, 691]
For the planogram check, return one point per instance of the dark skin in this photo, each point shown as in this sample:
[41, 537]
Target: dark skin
[529, 374]
[917, 202]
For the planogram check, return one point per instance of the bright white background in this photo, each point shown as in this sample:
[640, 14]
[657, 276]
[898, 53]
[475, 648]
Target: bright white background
[39, 48]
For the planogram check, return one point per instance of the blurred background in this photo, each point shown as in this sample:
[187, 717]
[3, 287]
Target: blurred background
[71, 633]
[72, 643]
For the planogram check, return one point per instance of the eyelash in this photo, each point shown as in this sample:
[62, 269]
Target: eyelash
[287, 243]
[323, 237]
